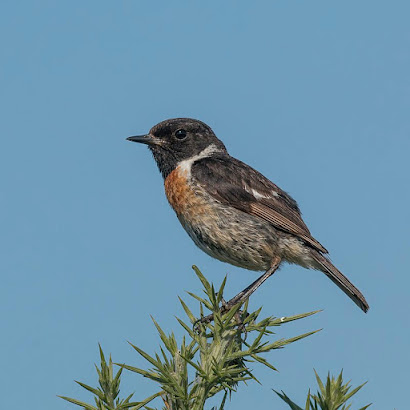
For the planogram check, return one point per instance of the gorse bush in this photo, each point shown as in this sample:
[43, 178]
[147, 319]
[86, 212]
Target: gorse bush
[332, 396]
[213, 356]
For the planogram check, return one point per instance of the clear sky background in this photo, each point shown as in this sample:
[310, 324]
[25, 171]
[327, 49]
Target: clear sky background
[313, 94]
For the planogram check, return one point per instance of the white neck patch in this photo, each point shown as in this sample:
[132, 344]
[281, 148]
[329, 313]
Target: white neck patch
[186, 164]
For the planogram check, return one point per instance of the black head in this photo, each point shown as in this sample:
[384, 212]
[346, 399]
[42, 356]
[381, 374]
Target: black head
[178, 139]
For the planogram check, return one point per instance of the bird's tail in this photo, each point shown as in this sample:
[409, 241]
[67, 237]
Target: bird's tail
[340, 280]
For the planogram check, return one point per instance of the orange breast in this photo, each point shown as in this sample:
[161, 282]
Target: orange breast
[177, 190]
[186, 200]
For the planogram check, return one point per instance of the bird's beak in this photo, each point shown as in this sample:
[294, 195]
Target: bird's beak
[145, 139]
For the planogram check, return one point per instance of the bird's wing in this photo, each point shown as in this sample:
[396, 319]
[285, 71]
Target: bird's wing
[234, 183]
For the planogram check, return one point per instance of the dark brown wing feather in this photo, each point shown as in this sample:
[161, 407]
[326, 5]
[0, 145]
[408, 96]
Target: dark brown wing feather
[232, 182]
[281, 222]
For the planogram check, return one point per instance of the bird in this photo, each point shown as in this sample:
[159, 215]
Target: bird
[231, 211]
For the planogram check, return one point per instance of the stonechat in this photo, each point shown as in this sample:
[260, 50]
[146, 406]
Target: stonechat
[231, 211]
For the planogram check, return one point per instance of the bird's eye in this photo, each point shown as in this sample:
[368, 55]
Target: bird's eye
[180, 134]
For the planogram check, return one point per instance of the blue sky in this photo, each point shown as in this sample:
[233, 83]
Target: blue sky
[315, 95]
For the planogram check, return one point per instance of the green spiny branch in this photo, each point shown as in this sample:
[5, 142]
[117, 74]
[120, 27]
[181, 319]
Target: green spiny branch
[212, 357]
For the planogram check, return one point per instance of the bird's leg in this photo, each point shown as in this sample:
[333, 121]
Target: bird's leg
[242, 296]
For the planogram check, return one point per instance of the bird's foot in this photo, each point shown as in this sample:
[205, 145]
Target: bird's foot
[238, 317]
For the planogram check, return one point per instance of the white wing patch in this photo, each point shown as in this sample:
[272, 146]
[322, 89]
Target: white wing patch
[258, 195]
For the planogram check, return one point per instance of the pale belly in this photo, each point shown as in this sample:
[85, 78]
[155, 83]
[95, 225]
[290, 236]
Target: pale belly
[227, 235]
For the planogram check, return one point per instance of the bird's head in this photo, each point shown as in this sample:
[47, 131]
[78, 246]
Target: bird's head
[175, 140]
